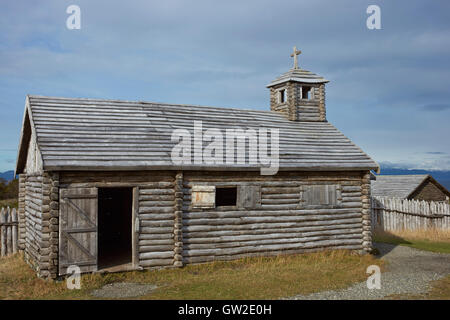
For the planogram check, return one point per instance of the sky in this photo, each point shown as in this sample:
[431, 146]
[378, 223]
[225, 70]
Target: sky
[388, 90]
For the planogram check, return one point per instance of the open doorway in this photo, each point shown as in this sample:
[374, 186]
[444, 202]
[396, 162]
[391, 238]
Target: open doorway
[114, 227]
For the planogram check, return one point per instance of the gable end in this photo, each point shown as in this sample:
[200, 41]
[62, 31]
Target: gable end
[28, 138]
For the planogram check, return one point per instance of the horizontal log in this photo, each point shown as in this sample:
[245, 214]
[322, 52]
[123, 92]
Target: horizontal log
[156, 262]
[351, 188]
[286, 201]
[156, 216]
[351, 199]
[258, 226]
[156, 230]
[156, 223]
[276, 238]
[156, 192]
[202, 259]
[156, 255]
[294, 195]
[155, 242]
[155, 248]
[289, 209]
[156, 203]
[167, 234]
[245, 215]
[143, 210]
[276, 247]
[170, 197]
[267, 219]
[327, 225]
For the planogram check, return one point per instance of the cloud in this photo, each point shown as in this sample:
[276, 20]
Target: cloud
[224, 53]
[436, 107]
[435, 152]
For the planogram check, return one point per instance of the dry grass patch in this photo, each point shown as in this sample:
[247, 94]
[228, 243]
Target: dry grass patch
[440, 290]
[18, 281]
[435, 235]
[431, 239]
[250, 278]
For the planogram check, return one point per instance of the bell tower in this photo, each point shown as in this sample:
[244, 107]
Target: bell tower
[299, 94]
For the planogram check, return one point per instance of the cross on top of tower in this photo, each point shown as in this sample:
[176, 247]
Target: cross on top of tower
[295, 54]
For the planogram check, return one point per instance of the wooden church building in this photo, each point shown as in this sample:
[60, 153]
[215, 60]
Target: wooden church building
[99, 189]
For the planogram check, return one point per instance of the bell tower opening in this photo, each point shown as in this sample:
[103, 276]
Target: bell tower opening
[305, 91]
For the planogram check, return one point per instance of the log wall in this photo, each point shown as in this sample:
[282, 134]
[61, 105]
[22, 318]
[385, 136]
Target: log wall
[280, 224]
[171, 232]
[157, 218]
[38, 222]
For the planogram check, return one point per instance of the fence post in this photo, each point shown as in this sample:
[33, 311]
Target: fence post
[3, 232]
[14, 228]
[8, 231]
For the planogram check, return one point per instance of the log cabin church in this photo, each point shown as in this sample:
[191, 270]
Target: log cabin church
[98, 188]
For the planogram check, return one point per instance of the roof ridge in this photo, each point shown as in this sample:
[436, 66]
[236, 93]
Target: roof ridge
[140, 102]
[403, 175]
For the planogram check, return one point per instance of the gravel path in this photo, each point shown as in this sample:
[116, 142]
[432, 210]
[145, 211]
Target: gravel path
[409, 271]
[123, 290]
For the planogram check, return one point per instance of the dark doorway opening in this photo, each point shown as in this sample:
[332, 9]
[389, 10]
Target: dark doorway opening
[114, 227]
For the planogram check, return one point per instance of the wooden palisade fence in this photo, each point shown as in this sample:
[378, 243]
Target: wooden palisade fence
[390, 214]
[8, 231]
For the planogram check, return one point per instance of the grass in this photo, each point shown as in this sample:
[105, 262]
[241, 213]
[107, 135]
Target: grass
[250, 278]
[429, 240]
[12, 203]
[440, 290]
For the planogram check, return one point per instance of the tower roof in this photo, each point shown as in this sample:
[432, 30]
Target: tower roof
[298, 75]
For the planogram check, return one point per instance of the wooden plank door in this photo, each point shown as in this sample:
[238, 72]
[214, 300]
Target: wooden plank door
[78, 229]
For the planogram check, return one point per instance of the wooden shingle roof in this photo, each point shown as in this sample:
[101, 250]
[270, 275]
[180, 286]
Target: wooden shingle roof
[298, 75]
[401, 186]
[92, 134]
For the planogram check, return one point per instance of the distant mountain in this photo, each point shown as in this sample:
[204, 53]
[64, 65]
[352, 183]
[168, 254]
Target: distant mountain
[443, 177]
[7, 175]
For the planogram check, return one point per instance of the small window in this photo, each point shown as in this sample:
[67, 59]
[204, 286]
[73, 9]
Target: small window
[306, 93]
[282, 96]
[226, 196]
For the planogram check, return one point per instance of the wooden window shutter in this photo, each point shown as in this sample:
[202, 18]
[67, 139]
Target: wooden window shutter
[249, 197]
[321, 194]
[78, 229]
[203, 196]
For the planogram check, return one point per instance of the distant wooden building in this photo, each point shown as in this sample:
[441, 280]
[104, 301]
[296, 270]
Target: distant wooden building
[417, 187]
[99, 189]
